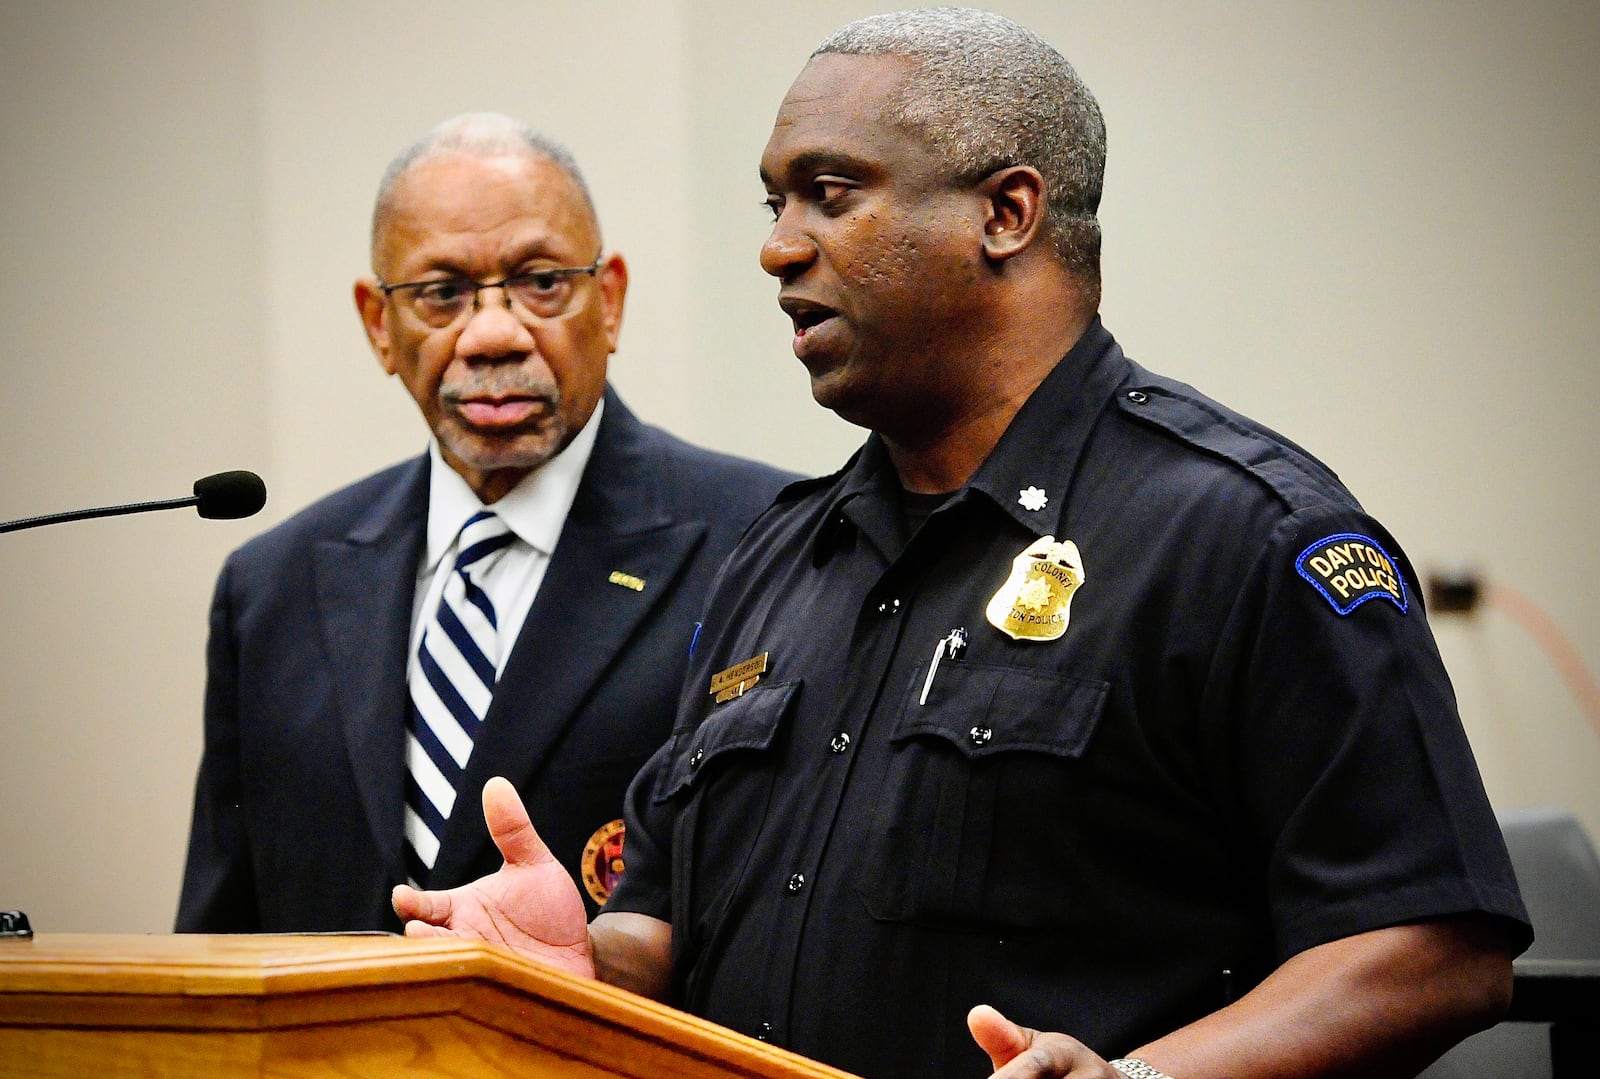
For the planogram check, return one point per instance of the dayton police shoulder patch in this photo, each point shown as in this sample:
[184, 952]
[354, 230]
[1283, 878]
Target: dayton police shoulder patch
[1349, 569]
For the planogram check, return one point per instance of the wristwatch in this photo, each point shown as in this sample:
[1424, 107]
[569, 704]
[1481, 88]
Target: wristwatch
[1138, 1069]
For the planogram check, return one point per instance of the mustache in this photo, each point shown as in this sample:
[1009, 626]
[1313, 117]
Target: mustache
[501, 383]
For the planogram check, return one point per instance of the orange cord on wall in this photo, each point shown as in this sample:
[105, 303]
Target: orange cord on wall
[1548, 635]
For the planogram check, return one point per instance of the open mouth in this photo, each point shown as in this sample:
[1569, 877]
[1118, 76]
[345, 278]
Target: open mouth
[805, 315]
[808, 319]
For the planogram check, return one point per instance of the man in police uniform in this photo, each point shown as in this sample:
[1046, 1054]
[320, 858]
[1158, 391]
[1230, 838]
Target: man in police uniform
[1073, 694]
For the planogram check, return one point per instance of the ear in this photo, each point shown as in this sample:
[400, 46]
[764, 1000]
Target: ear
[613, 280]
[373, 307]
[1014, 201]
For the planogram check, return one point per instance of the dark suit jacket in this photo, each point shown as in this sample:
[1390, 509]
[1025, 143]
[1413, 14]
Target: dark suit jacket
[298, 806]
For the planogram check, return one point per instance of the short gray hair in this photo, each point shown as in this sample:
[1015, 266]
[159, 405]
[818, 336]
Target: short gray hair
[986, 93]
[477, 134]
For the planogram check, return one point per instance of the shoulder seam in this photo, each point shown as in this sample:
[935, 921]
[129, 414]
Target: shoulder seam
[1296, 486]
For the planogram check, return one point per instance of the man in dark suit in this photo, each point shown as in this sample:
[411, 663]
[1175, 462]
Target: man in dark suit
[326, 777]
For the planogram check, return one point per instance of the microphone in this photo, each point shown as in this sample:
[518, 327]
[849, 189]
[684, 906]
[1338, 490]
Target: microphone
[227, 496]
[224, 496]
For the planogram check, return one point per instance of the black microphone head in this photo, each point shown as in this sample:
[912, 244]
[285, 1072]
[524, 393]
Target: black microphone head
[228, 495]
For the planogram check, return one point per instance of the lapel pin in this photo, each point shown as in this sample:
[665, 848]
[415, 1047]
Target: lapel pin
[627, 580]
[1032, 499]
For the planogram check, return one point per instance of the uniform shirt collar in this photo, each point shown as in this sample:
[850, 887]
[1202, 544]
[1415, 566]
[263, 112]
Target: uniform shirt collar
[534, 509]
[1039, 450]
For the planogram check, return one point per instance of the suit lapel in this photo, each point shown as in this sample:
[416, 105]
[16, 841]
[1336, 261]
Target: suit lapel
[365, 591]
[580, 620]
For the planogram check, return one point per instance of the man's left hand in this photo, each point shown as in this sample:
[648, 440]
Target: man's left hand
[1017, 1052]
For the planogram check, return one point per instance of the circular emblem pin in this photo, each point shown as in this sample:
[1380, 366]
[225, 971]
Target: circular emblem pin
[602, 861]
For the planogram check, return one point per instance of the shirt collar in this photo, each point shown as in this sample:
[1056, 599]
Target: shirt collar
[534, 510]
[1039, 450]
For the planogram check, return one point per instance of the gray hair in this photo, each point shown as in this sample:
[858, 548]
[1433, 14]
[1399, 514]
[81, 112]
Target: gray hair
[986, 93]
[477, 134]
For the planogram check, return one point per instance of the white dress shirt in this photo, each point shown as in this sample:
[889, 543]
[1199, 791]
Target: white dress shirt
[535, 510]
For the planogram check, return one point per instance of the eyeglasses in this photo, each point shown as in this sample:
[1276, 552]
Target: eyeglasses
[544, 293]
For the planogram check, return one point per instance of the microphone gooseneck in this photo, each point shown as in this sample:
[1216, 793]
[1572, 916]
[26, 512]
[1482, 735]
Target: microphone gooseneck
[223, 496]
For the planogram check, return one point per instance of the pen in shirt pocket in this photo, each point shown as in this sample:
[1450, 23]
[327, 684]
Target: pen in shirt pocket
[950, 646]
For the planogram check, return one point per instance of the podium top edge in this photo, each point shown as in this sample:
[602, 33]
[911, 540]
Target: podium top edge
[73, 967]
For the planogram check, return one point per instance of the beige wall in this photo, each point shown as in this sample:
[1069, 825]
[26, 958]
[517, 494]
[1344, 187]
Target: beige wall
[1372, 227]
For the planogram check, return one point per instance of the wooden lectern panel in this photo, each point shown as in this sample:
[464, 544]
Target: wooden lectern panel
[113, 1006]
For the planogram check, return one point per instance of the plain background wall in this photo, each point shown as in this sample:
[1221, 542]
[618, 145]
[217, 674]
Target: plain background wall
[1370, 225]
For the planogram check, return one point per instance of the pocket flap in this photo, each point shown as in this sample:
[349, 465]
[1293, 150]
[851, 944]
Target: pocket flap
[748, 722]
[983, 710]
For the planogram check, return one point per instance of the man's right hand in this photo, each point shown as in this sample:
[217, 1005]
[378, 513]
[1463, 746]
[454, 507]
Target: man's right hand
[530, 905]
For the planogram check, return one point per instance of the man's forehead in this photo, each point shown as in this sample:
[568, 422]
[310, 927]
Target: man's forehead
[438, 183]
[464, 197]
[834, 80]
[835, 97]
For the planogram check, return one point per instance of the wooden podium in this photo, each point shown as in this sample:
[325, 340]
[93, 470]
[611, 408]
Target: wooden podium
[112, 1006]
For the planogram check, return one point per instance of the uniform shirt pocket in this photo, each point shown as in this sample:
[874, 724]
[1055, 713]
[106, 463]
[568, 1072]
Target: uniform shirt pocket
[748, 722]
[981, 817]
[719, 778]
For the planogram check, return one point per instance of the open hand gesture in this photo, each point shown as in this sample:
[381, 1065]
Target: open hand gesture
[529, 905]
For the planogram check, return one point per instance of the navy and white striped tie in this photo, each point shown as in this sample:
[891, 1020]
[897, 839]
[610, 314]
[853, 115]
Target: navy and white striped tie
[451, 686]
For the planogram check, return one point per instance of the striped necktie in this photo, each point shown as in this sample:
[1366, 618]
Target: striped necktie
[451, 686]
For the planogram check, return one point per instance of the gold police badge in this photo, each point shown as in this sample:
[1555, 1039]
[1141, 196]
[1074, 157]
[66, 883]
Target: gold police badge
[1033, 604]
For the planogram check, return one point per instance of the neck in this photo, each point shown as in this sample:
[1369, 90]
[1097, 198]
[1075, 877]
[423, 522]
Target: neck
[940, 451]
[489, 485]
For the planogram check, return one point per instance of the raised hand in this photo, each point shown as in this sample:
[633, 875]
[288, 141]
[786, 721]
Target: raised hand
[530, 904]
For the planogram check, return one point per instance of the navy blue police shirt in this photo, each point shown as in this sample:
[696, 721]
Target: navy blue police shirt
[1240, 742]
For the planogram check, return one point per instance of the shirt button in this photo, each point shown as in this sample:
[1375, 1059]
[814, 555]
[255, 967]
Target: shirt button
[888, 606]
[840, 743]
[694, 761]
[980, 735]
[797, 883]
[764, 1032]
[1138, 397]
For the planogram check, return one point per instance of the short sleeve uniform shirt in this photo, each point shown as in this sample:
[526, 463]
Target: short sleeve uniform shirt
[1233, 741]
